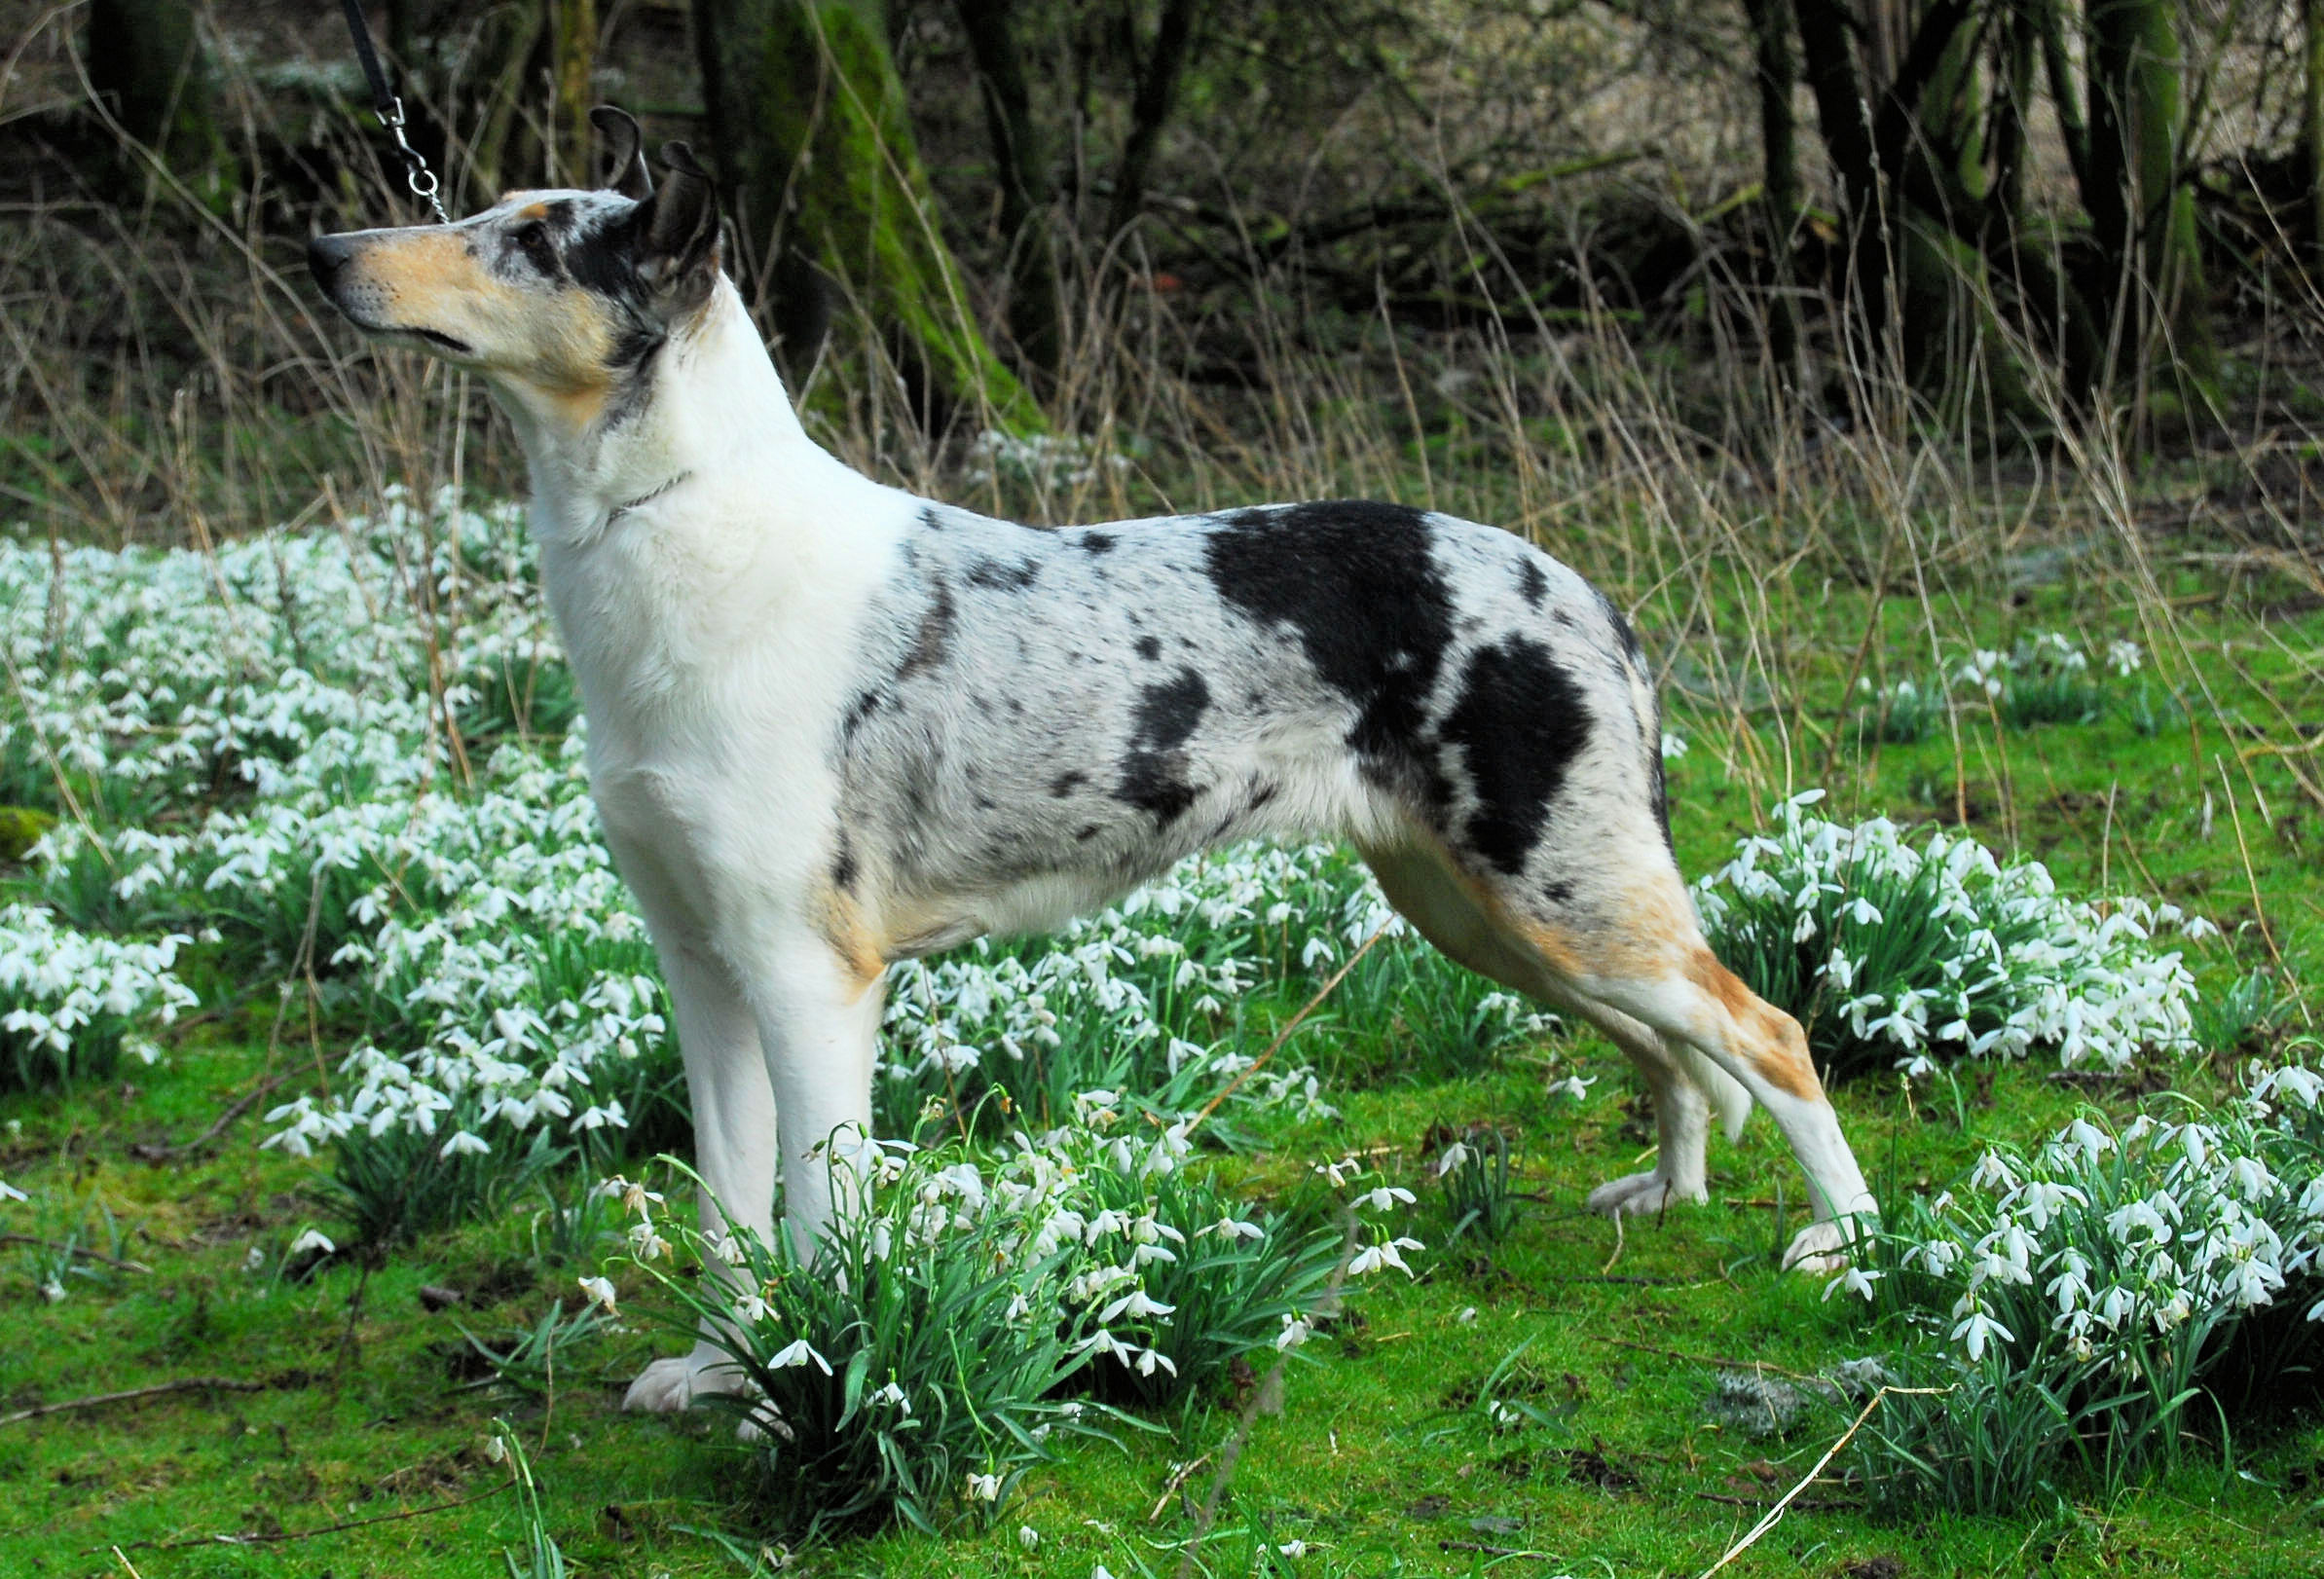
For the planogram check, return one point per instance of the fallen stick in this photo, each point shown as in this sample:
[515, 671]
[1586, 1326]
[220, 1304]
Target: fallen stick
[1496, 1551]
[81, 1251]
[1748, 1366]
[190, 1384]
[259, 1538]
[147, 1153]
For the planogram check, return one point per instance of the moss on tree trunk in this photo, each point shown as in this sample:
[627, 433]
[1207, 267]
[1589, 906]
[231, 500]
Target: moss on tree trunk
[2141, 209]
[809, 120]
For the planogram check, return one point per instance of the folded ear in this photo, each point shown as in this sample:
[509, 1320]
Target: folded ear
[677, 246]
[623, 142]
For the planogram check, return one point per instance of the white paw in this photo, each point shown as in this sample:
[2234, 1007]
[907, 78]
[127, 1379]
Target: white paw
[667, 1386]
[1820, 1247]
[1640, 1193]
[663, 1388]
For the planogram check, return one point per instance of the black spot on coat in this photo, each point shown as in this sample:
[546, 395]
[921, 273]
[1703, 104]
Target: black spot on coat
[1518, 724]
[992, 575]
[1148, 648]
[1356, 584]
[1532, 584]
[1154, 768]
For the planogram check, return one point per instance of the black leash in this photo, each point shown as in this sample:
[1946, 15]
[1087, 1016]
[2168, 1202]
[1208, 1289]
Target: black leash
[390, 109]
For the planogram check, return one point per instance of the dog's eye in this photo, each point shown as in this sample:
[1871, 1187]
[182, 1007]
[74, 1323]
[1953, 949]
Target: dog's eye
[533, 238]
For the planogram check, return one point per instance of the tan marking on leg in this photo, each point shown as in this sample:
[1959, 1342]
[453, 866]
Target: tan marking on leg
[1772, 1039]
[840, 922]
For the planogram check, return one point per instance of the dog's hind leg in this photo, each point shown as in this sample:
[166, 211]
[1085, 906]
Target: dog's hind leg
[1458, 917]
[1646, 977]
[1650, 963]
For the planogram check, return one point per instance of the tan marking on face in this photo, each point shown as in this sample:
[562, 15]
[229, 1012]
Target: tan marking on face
[839, 920]
[538, 210]
[425, 267]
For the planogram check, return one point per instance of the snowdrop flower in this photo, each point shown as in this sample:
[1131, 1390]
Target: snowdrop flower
[1468, 1316]
[601, 1292]
[1296, 1331]
[9, 1193]
[798, 1352]
[311, 1240]
[1387, 1253]
[985, 1487]
[1976, 1330]
[1135, 1304]
[53, 1291]
[1384, 1197]
[1573, 1086]
[1856, 1280]
[1027, 1536]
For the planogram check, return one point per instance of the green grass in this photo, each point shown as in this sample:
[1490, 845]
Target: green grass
[1381, 1460]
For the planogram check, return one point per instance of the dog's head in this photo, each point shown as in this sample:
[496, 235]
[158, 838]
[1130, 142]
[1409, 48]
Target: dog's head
[563, 296]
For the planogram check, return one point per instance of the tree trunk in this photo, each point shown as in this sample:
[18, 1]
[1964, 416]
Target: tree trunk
[1036, 309]
[808, 119]
[573, 65]
[1844, 117]
[1150, 112]
[1778, 145]
[2141, 210]
[2311, 117]
[146, 62]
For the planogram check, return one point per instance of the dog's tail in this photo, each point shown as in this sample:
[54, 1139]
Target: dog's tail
[1728, 1099]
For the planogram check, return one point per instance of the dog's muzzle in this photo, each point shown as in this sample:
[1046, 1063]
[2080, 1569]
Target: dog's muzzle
[326, 256]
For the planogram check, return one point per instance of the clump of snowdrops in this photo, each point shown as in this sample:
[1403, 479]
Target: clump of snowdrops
[1893, 951]
[2046, 678]
[2100, 1301]
[70, 1003]
[971, 1301]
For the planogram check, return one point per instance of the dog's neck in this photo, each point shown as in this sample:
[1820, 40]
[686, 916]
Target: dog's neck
[717, 412]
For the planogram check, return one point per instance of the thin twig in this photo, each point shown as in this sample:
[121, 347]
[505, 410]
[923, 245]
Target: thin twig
[148, 1153]
[82, 1251]
[1828, 1505]
[1270, 1387]
[1177, 1479]
[1775, 1513]
[190, 1384]
[1496, 1551]
[1284, 1035]
[260, 1538]
[1712, 1360]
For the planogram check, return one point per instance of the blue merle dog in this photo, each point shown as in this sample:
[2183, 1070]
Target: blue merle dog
[833, 725]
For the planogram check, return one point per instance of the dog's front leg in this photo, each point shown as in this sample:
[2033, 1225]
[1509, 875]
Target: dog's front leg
[734, 1134]
[818, 1027]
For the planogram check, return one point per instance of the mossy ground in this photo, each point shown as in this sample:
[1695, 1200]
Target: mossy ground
[1379, 1460]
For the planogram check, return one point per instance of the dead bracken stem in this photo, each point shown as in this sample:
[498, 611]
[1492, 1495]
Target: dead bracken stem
[1271, 1386]
[1284, 1035]
[1774, 1514]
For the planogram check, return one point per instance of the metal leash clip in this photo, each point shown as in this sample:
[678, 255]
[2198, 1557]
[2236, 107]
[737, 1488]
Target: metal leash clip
[418, 176]
[388, 107]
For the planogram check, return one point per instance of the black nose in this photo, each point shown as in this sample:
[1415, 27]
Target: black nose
[326, 255]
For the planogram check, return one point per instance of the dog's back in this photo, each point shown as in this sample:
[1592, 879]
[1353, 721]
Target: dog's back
[1042, 718]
